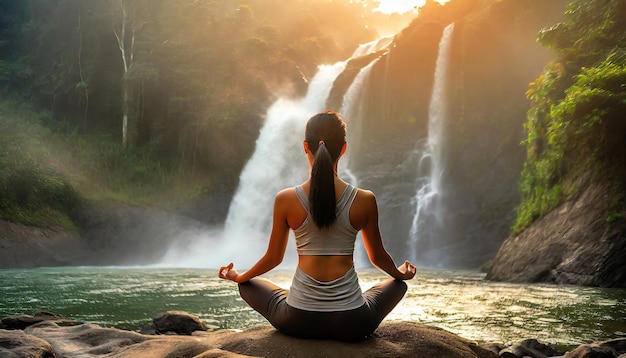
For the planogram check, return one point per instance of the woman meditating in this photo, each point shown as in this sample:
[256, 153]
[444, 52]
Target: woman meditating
[325, 300]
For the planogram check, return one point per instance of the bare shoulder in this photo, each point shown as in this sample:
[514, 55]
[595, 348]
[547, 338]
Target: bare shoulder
[286, 195]
[365, 197]
[364, 209]
[287, 207]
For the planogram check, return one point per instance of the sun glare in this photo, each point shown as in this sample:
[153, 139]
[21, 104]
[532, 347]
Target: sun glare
[401, 6]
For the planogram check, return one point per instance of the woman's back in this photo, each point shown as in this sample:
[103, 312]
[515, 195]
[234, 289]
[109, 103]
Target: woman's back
[328, 266]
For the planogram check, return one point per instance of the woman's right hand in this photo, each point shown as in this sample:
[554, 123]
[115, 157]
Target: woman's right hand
[228, 272]
[407, 270]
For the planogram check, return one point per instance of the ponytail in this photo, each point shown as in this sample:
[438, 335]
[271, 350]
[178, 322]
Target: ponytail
[322, 193]
[326, 136]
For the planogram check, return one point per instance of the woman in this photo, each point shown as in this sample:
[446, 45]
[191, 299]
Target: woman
[325, 300]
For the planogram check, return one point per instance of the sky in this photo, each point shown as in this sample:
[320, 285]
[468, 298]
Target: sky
[401, 6]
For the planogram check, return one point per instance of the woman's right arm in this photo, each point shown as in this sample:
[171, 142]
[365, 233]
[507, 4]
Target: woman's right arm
[373, 242]
[275, 249]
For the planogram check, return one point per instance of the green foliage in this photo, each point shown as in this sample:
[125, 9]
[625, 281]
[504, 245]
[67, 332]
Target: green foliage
[32, 192]
[576, 119]
[199, 79]
[614, 216]
[220, 58]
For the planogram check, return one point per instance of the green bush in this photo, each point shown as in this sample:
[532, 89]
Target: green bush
[34, 195]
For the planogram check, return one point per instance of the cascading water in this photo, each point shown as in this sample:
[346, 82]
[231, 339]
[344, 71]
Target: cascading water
[373, 46]
[351, 111]
[278, 162]
[427, 219]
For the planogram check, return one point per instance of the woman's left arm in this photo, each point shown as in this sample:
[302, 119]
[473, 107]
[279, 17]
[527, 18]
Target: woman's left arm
[275, 250]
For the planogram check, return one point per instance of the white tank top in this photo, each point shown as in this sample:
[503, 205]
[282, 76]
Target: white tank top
[309, 294]
[338, 239]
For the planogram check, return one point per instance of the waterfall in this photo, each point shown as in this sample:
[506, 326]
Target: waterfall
[428, 213]
[373, 46]
[351, 111]
[278, 162]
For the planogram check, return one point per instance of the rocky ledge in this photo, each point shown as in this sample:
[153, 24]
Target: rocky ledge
[179, 334]
[578, 243]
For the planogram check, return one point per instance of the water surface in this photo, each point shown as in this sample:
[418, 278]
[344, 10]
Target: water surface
[461, 302]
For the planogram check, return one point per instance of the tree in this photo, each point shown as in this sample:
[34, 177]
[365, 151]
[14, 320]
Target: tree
[129, 20]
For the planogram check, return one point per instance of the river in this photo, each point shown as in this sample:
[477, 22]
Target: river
[461, 302]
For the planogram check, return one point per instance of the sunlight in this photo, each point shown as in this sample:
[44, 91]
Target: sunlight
[401, 6]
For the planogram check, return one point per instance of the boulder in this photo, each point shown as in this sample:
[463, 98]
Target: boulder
[178, 322]
[573, 244]
[529, 348]
[17, 344]
[401, 339]
[21, 321]
[592, 351]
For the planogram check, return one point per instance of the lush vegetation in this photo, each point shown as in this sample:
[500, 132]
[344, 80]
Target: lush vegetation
[576, 125]
[149, 101]
[32, 191]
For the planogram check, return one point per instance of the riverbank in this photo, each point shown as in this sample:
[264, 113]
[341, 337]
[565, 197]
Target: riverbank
[179, 334]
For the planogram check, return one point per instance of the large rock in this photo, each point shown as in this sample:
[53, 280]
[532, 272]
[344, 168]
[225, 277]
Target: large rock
[178, 322]
[53, 338]
[17, 344]
[22, 321]
[573, 244]
[90, 341]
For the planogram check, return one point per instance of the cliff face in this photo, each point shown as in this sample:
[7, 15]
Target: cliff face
[571, 221]
[573, 244]
[493, 58]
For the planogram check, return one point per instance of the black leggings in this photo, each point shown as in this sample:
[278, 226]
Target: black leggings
[270, 301]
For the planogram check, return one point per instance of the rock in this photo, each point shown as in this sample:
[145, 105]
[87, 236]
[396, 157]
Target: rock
[535, 349]
[51, 336]
[592, 351]
[90, 341]
[17, 344]
[403, 339]
[23, 246]
[529, 348]
[22, 321]
[619, 344]
[178, 322]
[573, 244]
[110, 234]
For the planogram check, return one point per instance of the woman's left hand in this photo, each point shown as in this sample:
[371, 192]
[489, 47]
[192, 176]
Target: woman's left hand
[407, 270]
[228, 272]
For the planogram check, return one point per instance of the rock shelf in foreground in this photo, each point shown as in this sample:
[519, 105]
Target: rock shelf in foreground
[45, 335]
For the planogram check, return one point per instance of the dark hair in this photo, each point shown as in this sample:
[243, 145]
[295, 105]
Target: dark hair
[325, 135]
